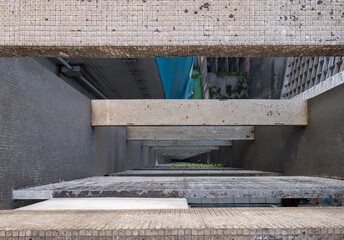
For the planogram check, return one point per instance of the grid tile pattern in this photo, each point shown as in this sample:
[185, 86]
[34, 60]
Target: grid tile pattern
[303, 73]
[186, 224]
[109, 25]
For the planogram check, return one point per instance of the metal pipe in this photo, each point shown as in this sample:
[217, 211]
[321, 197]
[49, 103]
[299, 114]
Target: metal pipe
[64, 62]
[91, 86]
[84, 80]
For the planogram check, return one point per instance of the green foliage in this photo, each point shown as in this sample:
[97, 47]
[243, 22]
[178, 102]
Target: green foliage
[236, 74]
[239, 91]
[197, 165]
[214, 91]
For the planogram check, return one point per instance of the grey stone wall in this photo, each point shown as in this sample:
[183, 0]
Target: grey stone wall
[45, 128]
[317, 149]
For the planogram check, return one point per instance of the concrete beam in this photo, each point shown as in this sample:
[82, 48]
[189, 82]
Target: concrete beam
[190, 187]
[162, 28]
[186, 143]
[187, 148]
[195, 133]
[183, 154]
[250, 112]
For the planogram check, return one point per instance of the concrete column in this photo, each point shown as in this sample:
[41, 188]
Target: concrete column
[208, 157]
[109, 150]
[226, 156]
[133, 155]
[145, 155]
[215, 157]
[151, 157]
[120, 149]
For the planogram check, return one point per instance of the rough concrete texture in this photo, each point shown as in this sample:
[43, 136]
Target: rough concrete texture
[186, 143]
[108, 204]
[189, 187]
[45, 128]
[162, 28]
[243, 112]
[145, 157]
[109, 150]
[134, 155]
[182, 133]
[200, 172]
[265, 76]
[191, 224]
[317, 150]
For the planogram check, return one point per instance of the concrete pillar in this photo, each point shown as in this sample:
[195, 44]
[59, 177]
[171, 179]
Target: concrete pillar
[133, 155]
[151, 157]
[109, 150]
[208, 157]
[226, 157]
[145, 155]
[120, 149]
[215, 157]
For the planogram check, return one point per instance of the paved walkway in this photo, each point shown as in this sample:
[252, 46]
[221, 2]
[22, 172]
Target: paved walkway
[234, 223]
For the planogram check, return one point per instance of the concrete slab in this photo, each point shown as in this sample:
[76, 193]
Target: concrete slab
[199, 172]
[200, 224]
[108, 204]
[189, 187]
[243, 112]
[186, 143]
[187, 133]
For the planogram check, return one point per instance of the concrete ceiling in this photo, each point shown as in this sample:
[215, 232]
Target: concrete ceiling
[122, 78]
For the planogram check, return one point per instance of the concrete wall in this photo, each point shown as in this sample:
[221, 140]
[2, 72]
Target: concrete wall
[45, 128]
[162, 28]
[109, 150]
[266, 77]
[317, 149]
[133, 155]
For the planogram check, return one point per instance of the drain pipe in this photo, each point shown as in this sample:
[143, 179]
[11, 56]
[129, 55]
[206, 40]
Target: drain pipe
[82, 78]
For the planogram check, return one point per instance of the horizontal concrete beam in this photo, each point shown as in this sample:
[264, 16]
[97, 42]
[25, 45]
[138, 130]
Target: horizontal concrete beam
[185, 148]
[250, 112]
[183, 154]
[186, 143]
[162, 28]
[189, 187]
[196, 133]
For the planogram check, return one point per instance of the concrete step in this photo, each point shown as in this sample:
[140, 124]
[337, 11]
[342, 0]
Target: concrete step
[191, 224]
[193, 173]
[189, 187]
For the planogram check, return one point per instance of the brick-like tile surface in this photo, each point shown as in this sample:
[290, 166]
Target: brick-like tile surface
[165, 27]
[45, 128]
[234, 223]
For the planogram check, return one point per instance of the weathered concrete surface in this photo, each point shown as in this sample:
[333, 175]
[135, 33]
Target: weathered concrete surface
[244, 112]
[230, 223]
[193, 173]
[145, 157]
[189, 187]
[108, 204]
[162, 28]
[195, 133]
[187, 148]
[186, 143]
[134, 155]
[109, 150]
[152, 159]
[120, 149]
[316, 150]
[182, 154]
